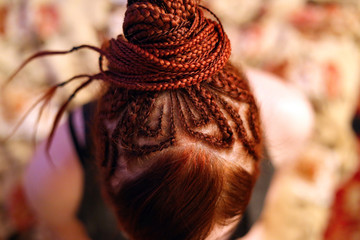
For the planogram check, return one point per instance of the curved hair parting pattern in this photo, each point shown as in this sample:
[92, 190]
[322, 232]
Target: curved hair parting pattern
[173, 49]
[190, 109]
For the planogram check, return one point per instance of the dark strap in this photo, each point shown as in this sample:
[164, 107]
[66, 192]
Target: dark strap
[97, 218]
[80, 150]
[356, 124]
[88, 116]
[84, 151]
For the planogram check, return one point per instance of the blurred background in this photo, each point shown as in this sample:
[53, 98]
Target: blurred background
[312, 45]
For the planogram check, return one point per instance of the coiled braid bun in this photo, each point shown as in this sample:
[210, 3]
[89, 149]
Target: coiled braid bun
[167, 45]
[153, 19]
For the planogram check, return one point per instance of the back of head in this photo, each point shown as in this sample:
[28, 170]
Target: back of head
[178, 129]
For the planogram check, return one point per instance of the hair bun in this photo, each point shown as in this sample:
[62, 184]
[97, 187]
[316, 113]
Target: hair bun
[151, 20]
[167, 45]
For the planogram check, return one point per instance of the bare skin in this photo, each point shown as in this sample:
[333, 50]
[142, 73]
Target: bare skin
[54, 193]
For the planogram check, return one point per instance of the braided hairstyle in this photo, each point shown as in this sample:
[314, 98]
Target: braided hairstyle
[171, 52]
[176, 124]
[175, 107]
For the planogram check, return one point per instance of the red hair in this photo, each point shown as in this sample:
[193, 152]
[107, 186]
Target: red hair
[173, 108]
[170, 86]
[182, 195]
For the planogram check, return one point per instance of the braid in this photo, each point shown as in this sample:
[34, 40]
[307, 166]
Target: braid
[171, 64]
[167, 79]
[167, 75]
[166, 46]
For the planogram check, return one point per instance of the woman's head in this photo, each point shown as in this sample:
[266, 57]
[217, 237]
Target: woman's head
[178, 136]
[178, 132]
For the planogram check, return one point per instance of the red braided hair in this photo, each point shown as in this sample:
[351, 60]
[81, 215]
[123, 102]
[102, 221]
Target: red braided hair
[174, 104]
[162, 51]
[170, 86]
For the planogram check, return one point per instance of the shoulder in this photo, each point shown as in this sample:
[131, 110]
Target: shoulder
[54, 185]
[275, 95]
[287, 115]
